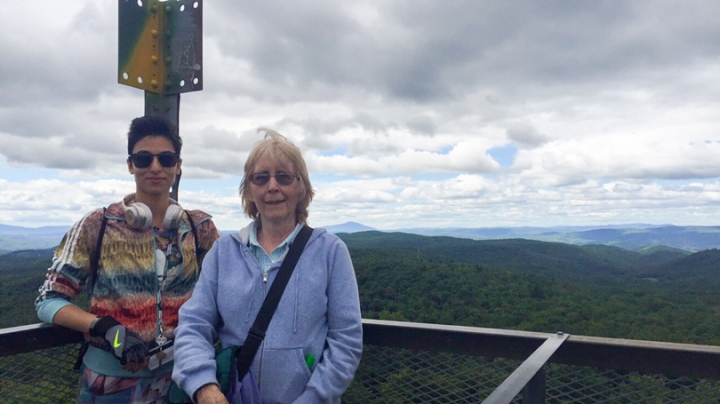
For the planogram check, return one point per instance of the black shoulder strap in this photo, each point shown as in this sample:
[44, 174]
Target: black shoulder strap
[262, 321]
[95, 260]
[94, 263]
[198, 250]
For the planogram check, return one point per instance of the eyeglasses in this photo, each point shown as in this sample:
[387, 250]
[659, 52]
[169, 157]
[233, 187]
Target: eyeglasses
[143, 159]
[281, 177]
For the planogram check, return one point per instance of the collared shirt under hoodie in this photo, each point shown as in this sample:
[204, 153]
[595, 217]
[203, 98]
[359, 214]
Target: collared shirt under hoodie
[264, 260]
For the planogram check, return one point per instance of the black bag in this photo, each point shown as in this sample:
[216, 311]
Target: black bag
[233, 363]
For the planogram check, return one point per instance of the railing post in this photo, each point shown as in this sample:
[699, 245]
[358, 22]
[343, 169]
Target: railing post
[534, 391]
[528, 370]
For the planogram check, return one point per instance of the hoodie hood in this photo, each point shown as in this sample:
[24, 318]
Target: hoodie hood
[243, 236]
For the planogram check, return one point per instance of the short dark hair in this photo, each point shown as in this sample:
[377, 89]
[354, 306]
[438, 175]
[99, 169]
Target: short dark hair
[145, 126]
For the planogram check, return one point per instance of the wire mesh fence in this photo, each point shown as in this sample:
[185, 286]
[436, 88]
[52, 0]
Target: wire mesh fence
[389, 375]
[40, 377]
[392, 375]
[574, 384]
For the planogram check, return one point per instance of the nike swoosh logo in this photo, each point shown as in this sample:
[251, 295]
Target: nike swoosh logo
[116, 344]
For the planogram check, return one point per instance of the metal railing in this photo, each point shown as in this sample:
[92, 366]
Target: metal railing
[430, 363]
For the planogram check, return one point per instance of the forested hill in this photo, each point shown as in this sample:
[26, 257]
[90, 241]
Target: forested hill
[566, 261]
[21, 273]
[23, 261]
[700, 270]
[657, 293]
[405, 287]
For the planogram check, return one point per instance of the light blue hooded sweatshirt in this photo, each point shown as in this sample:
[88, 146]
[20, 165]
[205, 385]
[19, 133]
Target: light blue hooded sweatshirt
[318, 315]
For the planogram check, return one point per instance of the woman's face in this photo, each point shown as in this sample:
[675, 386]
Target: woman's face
[154, 179]
[275, 202]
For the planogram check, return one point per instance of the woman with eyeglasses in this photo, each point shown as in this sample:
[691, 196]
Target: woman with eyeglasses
[313, 344]
[138, 260]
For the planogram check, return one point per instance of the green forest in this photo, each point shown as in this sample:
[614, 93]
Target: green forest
[21, 274]
[656, 293]
[404, 287]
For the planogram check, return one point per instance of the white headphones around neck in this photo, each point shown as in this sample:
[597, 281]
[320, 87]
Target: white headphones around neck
[138, 215]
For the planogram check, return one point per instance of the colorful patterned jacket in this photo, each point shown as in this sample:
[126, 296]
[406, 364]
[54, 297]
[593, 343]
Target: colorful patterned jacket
[126, 285]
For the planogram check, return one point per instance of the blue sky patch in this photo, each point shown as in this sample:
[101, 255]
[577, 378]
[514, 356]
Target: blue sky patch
[504, 155]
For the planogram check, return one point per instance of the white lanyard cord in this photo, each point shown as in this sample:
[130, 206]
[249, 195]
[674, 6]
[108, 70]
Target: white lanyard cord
[161, 276]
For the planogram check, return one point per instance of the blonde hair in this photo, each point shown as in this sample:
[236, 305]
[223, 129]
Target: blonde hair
[285, 153]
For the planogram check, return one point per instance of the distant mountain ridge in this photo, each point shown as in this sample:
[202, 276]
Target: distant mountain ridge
[19, 230]
[349, 227]
[629, 236]
[13, 238]
[514, 232]
[693, 238]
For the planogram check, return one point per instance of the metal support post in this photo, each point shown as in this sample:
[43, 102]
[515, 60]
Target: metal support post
[516, 382]
[534, 391]
[160, 51]
[168, 107]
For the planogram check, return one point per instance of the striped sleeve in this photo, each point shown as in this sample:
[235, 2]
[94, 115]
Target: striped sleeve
[70, 265]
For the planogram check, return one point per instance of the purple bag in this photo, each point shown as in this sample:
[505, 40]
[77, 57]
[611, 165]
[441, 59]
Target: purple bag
[245, 391]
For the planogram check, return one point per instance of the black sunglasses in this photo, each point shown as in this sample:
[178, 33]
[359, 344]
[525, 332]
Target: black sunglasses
[143, 159]
[281, 177]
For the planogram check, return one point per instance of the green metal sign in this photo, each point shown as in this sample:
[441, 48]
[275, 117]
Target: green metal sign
[160, 45]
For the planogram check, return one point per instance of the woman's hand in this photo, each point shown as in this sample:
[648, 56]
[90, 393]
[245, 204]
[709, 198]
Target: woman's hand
[210, 394]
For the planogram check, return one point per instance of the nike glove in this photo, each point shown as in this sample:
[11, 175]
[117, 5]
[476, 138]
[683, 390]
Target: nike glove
[119, 341]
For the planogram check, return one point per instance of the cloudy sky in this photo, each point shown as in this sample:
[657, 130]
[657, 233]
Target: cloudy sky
[410, 113]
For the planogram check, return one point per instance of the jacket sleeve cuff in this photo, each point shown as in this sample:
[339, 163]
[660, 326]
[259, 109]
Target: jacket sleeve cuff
[192, 384]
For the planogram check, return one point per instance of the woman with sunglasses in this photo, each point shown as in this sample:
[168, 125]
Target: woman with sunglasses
[313, 344]
[139, 260]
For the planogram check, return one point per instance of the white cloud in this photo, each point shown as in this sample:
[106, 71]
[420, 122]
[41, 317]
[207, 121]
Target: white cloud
[612, 107]
[526, 135]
